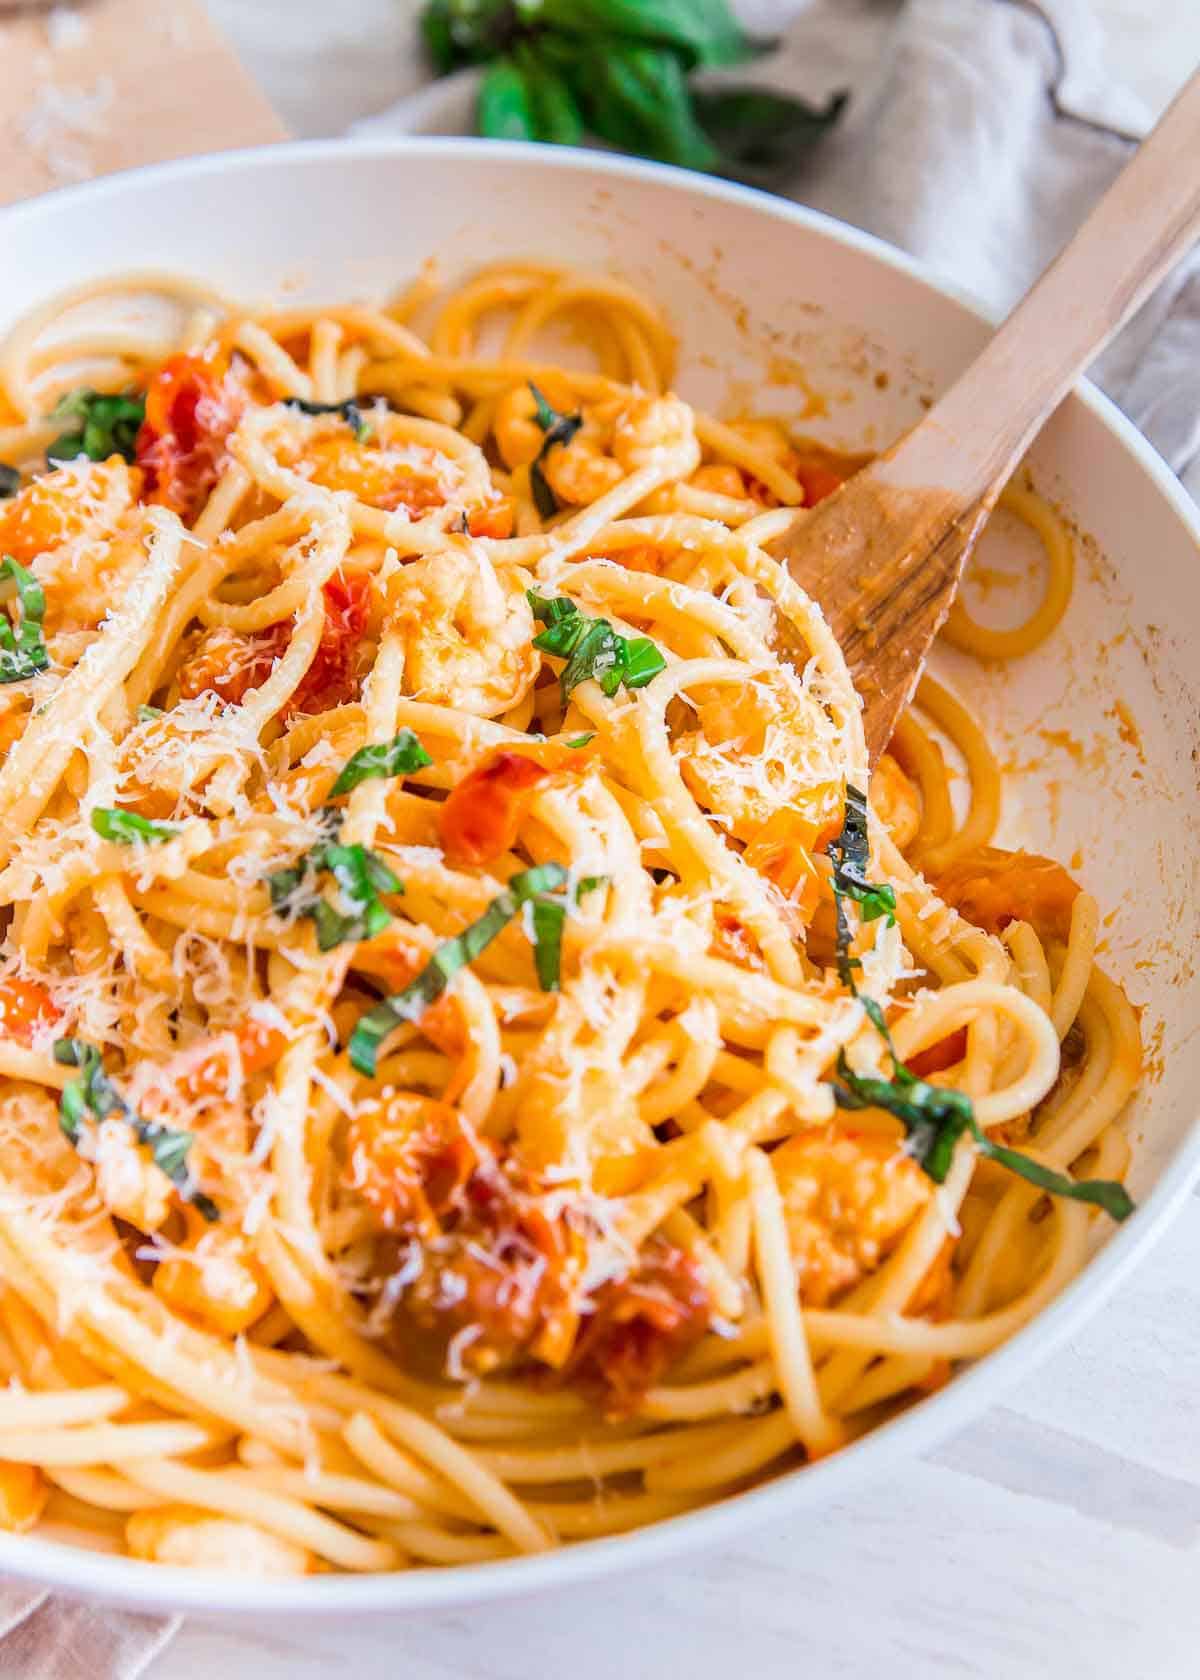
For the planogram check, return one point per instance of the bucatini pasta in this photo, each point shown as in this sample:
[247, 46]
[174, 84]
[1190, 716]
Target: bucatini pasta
[478, 1072]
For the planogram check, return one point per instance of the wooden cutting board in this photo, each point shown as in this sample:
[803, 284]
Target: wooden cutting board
[102, 85]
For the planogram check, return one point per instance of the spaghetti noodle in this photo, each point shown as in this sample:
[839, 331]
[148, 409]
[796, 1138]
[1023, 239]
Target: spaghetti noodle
[474, 1076]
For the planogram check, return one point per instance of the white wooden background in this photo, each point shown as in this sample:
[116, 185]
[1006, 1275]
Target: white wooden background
[1059, 1536]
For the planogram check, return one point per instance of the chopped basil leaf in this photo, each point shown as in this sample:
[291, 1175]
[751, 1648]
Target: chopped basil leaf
[850, 855]
[350, 412]
[591, 647]
[104, 424]
[94, 1096]
[1103, 1193]
[547, 916]
[10, 480]
[360, 875]
[643, 662]
[399, 757]
[22, 651]
[147, 714]
[550, 609]
[581, 740]
[559, 428]
[543, 888]
[127, 828]
[933, 1116]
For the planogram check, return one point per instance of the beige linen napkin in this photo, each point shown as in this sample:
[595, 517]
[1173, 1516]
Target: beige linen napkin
[48, 1638]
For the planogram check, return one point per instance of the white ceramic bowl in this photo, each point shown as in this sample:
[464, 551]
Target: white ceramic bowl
[1102, 725]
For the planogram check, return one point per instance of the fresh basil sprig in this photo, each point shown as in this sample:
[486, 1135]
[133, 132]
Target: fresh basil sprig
[592, 648]
[621, 69]
[361, 876]
[10, 481]
[127, 828]
[933, 1116]
[23, 651]
[349, 411]
[102, 425]
[543, 889]
[93, 1096]
[400, 756]
[559, 428]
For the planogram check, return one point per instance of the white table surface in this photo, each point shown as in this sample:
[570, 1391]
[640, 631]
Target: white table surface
[1058, 1536]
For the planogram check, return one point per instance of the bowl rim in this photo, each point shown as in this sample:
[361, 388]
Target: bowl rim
[168, 1588]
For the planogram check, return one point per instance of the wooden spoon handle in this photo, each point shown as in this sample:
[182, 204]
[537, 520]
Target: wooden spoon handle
[972, 438]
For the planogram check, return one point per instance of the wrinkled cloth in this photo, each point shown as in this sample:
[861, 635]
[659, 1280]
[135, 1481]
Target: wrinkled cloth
[978, 135]
[48, 1638]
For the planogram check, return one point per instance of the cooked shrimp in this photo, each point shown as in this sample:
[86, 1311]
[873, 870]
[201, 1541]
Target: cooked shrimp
[846, 1200]
[468, 631]
[742, 761]
[192, 1539]
[896, 801]
[614, 439]
[214, 1281]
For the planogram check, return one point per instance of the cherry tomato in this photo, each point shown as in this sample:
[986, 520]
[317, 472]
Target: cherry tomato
[25, 1009]
[193, 403]
[483, 814]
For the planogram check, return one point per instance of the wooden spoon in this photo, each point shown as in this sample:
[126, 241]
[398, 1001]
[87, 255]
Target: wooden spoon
[884, 554]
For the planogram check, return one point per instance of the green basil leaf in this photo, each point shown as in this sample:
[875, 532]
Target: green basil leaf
[505, 108]
[23, 651]
[373, 1028]
[361, 876]
[349, 411]
[147, 714]
[934, 1117]
[127, 828]
[592, 648]
[10, 480]
[550, 609]
[542, 877]
[400, 756]
[762, 136]
[544, 499]
[1100, 1192]
[104, 424]
[636, 97]
[94, 1096]
[599, 653]
[643, 662]
[559, 429]
[700, 31]
[548, 916]
[457, 32]
[580, 740]
[283, 884]
[557, 117]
